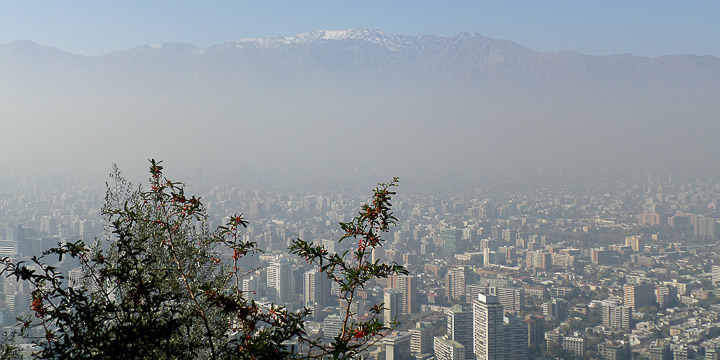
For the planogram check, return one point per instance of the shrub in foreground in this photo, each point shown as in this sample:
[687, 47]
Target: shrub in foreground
[160, 284]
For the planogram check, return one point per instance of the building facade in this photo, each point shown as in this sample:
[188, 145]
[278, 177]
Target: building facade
[488, 337]
[447, 349]
[460, 329]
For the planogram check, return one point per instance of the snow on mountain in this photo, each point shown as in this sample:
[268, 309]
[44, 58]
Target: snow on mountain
[464, 99]
[376, 56]
[364, 34]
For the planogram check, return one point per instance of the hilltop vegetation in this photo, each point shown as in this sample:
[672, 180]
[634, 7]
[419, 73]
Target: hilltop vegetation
[162, 284]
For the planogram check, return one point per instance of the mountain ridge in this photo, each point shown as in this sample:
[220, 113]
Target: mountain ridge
[464, 99]
[356, 33]
[465, 57]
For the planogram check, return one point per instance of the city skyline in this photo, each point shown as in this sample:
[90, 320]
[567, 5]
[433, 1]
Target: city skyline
[556, 264]
[545, 179]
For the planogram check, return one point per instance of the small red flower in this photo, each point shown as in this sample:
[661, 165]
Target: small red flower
[360, 333]
[37, 306]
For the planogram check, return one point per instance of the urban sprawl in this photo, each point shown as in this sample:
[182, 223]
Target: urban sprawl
[606, 270]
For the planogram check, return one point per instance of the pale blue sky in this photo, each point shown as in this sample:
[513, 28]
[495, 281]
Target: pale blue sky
[641, 27]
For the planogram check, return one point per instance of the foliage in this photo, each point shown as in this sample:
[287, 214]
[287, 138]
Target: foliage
[161, 284]
[8, 349]
[354, 271]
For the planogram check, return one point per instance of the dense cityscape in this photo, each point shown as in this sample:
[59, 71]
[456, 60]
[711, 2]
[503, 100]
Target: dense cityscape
[611, 269]
[384, 180]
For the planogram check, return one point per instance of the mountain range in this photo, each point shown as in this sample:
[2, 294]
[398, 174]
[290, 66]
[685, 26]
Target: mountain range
[314, 100]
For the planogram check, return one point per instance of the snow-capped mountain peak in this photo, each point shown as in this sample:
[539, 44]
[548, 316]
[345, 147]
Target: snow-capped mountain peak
[360, 34]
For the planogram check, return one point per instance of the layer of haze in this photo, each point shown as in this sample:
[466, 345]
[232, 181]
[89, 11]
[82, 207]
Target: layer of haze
[394, 104]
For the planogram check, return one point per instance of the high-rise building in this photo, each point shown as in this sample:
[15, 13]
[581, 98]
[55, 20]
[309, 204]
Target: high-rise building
[329, 245]
[421, 338]
[397, 346]
[280, 281]
[460, 329]
[540, 259]
[515, 333]
[512, 299]
[316, 289]
[472, 291]
[488, 334]
[509, 235]
[712, 353]
[8, 248]
[649, 218]
[407, 285]
[563, 260]
[508, 252]
[491, 257]
[660, 351]
[679, 286]
[616, 316]
[309, 288]
[536, 330]
[635, 243]
[557, 308]
[50, 225]
[600, 256]
[250, 287]
[335, 288]
[639, 295]
[450, 238]
[447, 349]
[21, 302]
[666, 296]
[716, 274]
[332, 327]
[574, 345]
[704, 228]
[680, 352]
[615, 350]
[392, 304]
[455, 283]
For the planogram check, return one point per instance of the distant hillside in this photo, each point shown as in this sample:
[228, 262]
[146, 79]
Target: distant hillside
[310, 100]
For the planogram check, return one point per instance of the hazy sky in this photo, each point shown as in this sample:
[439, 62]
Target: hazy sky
[316, 113]
[641, 27]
